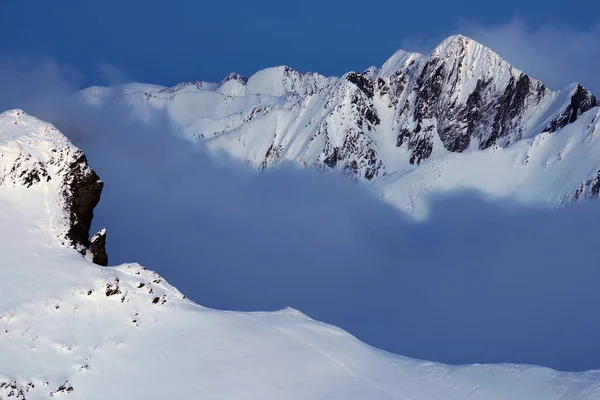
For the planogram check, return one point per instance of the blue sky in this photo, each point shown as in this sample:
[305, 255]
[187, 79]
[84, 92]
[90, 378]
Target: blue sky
[167, 42]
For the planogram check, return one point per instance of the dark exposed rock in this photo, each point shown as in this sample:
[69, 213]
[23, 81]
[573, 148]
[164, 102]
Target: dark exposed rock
[382, 87]
[369, 114]
[458, 139]
[98, 248]
[581, 101]
[82, 193]
[332, 159]
[13, 390]
[235, 77]
[34, 175]
[398, 83]
[428, 91]
[27, 172]
[256, 112]
[272, 155]
[422, 149]
[487, 113]
[80, 188]
[588, 189]
[510, 105]
[64, 388]
[112, 288]
[356, 156]
[353, 158]
[363, 83]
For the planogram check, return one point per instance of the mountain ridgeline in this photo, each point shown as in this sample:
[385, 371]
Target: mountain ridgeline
[414, 110]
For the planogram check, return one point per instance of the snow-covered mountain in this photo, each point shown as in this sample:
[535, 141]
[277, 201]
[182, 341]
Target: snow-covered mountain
[71, 328]
[459, 117]
[36, 157]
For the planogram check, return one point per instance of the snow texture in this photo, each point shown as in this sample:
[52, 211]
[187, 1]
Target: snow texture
[72, 329]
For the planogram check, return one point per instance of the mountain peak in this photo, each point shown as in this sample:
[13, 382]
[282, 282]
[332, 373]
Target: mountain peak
[458, 38]
[464, 48]
[458, 41]
[235, 77]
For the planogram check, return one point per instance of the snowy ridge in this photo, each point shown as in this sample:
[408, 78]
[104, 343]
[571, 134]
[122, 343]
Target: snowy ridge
[38, 160]
[384, 122]
[123, 332]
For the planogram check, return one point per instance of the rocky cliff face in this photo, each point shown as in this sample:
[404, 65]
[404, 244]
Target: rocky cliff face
[81, 190]
[37, 160]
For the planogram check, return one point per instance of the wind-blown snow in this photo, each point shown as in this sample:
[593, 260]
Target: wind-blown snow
[69, 328]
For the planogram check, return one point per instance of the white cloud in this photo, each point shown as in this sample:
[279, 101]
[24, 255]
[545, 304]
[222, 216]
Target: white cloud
[113, 75]
[35, 85]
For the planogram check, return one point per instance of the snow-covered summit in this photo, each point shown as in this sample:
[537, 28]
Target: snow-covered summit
[73, 329]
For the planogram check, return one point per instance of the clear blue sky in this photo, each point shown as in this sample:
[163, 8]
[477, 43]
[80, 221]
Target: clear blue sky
[167, 42]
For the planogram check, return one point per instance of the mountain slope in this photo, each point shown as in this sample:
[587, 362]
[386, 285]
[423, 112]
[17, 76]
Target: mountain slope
[460, 99]
[35, 156]
[551, 168]
[73, 329]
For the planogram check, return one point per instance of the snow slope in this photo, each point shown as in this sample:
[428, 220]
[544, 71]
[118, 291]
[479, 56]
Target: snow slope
[550, 168]
[70, 328]
[461, 106]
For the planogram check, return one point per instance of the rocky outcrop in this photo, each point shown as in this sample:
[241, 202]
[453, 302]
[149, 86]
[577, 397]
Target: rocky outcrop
[582, 100]
[82, 190]
[589, 189]
[363, 83]
[98, 248]
[37, 157]
[463, 93]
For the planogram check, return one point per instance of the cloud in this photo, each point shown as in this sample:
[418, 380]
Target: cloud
[35, 85]
[112, 75]
[39, 86]
[556, 55]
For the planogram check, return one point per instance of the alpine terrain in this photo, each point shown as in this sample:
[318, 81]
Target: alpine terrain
[458, 118]
[70, 328]
[461, 117]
